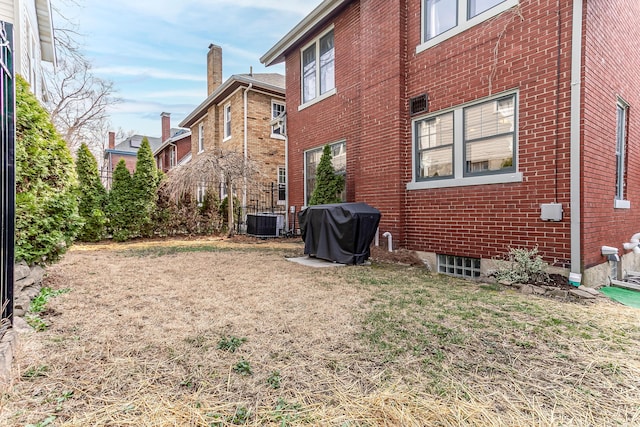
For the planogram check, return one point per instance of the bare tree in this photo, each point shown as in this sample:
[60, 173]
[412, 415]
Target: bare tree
[78, 100]
[212, 168]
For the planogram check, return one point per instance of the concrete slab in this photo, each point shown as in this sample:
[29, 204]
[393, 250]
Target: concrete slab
[315, 262]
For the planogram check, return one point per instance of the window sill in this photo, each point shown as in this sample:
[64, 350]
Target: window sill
[317, 99]
[226, 138]
[201, 151]
[463, 182]
[621, 204]
[277, 136]
[496, 10]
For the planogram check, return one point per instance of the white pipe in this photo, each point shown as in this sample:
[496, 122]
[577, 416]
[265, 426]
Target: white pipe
[246, 148]
[633, 242]
[575, 132]
[389, 240]
[376, 239]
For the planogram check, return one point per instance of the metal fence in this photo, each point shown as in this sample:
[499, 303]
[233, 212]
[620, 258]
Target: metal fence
[7, 175]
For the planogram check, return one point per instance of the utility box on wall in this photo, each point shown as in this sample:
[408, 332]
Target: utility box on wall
[551, 212]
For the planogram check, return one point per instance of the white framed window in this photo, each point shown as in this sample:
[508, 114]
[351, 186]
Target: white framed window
[201, 193]
[622, 110]
[318, 69]
[312, 159]
[442, 19]
[227, 121]
[282, 185]
[277, 110]
[200, 137]
[172, 157]
[472, 144]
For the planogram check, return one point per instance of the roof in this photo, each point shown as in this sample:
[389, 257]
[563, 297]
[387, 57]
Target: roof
[132, 144]
[318, 17]
[176, 135]
[45, 30]
[269, 82]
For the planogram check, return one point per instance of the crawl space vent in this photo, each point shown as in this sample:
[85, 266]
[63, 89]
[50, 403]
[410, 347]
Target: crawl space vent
[419, 104]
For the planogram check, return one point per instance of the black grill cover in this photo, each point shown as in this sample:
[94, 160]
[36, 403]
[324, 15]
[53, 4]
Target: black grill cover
[340, 232]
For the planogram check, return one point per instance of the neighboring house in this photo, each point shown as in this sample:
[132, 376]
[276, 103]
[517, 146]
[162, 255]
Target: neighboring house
[127, 150]
[475, 126]
[175, 148]
[32, 39]
[237, 115]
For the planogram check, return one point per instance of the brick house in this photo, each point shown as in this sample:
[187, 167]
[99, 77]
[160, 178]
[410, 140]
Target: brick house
[127, 150]
[475, 125]
[175, 148]
[237, 116]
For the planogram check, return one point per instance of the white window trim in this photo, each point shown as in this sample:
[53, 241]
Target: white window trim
[622, 203]
[330, 92]
[463, 23]
[458, 179]
[276, 135]
[226, 116]
[200, 137]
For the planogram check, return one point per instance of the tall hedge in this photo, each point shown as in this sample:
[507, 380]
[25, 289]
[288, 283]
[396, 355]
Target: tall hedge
[92, 196]
[47, 217]
[120, 203]
[328, 184]
[145, 187]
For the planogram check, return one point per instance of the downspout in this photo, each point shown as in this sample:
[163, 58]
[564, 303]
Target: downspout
[286, 175]
[576, 117]
[246, 150]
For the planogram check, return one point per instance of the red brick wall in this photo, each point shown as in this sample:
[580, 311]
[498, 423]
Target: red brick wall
[184, 147]
[517, 50]
[612, 65]
[129, 160]
[336, 118]
[378, 69]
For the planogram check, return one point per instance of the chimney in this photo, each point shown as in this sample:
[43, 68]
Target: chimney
[166, 126]
[214, 68]
[112, 140]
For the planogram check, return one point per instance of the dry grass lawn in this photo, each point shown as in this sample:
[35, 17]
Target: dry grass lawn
[145, 337]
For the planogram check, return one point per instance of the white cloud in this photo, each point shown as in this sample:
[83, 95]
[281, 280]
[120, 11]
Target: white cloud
[149, 72]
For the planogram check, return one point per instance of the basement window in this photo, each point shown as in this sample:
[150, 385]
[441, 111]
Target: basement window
[459, 266]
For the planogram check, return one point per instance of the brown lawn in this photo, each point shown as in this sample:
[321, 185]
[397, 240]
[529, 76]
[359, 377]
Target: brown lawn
[136, 342]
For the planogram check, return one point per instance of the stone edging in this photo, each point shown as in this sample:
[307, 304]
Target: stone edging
[27, 285]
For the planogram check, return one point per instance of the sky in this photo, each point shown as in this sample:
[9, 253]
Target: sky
[155, 51]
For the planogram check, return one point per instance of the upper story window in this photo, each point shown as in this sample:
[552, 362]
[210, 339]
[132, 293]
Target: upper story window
[172, 157]
[621, 148]
[318, 68]
[277, 110]
[442, 19]
[227, 121]
[470, 144]
[201, 138]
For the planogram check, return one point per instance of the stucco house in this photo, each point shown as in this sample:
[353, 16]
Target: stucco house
[33, 41]
[237, 115]
[475, 126]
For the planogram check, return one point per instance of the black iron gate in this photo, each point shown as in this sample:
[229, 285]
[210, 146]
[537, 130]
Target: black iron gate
[7, 175]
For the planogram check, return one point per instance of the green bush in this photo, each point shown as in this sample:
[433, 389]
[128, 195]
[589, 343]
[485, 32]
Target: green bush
[47, 217]
[329, 186]
[144, 186]
[523, 266]
[92, 197]
[120, 203]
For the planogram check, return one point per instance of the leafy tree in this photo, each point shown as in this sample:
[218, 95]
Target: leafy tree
[92, 196]
[145, 187]
[120, 203]
[328, 184]
[47, 217]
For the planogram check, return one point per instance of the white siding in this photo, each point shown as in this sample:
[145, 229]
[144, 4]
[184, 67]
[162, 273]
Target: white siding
[6, 10]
